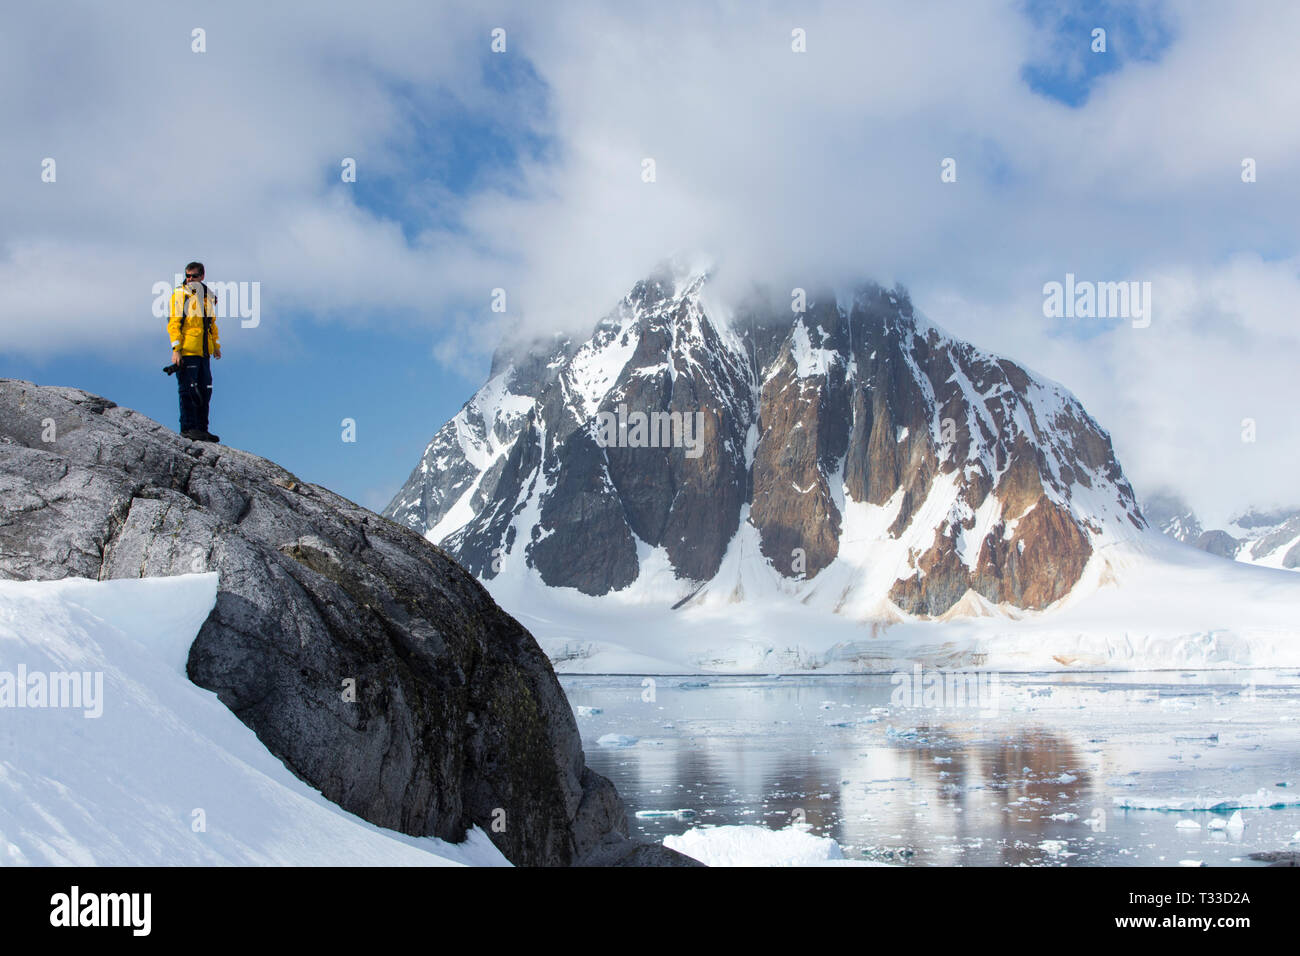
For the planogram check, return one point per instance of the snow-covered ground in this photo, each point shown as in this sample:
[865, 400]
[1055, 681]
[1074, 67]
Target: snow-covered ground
[164, 774]
[1150, 603]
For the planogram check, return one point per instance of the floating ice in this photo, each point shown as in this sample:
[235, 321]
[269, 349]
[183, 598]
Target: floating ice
[1055, 848]
[1261, 799]
[616, 740]
[751, 845]
[666, 814]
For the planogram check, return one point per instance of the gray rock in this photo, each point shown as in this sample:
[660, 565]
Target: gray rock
[458, 718]
[1218, 542]
[618, 852]
[1277, 857]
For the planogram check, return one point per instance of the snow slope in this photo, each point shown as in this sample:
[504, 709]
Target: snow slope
[1150, 603]
[126, 788]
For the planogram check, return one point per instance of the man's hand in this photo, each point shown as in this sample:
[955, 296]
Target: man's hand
[217, 353]
[176, 357]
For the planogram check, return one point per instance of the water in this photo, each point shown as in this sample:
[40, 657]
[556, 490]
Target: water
[1029, 775]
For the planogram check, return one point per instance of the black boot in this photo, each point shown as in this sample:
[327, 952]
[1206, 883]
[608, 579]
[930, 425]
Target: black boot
[208, 436]
[194, 434]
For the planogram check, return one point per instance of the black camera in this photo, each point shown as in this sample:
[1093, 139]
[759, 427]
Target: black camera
[171, 369]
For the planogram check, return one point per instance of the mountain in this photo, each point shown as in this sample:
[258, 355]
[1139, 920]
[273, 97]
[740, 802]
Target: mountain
[1170, 514]
[370, 663]
[1268, 538]
[852, 455]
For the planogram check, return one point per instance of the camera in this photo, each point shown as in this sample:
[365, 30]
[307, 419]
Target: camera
[171, 369]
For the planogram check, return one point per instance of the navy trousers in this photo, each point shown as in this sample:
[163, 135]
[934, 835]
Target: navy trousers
[195, 383]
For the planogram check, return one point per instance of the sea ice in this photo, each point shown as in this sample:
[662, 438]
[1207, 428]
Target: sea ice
[666, 814]
[616, 740]
[1261, 799]
[750, 845]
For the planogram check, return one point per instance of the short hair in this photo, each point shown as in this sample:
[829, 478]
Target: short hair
[196, 267]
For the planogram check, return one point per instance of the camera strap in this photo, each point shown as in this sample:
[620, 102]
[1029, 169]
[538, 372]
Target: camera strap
[207, 319]
[203, 311]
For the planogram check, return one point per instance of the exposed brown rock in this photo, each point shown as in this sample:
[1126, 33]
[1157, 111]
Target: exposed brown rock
[792, 506]
[940, 583]
[1039, 563]
[888, 407]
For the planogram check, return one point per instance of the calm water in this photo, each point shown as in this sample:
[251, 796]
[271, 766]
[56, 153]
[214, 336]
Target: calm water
[913, 774]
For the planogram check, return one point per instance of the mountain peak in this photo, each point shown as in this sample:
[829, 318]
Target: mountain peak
[852, 454]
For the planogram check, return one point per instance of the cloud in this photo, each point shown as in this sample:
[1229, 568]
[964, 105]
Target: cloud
[523, 171]
[1176, 396]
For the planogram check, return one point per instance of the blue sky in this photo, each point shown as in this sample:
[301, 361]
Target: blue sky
[521, 170]
[291, 408]
[1067, 67]
[288, 402]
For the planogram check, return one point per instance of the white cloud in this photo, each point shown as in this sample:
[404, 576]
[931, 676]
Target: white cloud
[793, 168]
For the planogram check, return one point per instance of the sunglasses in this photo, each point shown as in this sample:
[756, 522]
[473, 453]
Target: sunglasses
[193, 275]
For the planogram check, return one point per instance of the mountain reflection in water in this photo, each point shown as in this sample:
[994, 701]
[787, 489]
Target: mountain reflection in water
[1033, 780]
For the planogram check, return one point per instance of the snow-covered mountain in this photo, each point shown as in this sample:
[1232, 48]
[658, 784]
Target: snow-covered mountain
[814, 472]
[851, 454]
[1269, 538]
[1170, 514]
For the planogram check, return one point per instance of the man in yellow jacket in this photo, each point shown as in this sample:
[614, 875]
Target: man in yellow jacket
[192, 326]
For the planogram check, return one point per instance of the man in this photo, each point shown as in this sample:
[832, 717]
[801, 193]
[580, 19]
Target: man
[192, 327]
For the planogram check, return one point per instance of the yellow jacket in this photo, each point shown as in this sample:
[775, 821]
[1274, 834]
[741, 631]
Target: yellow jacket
[185, 322]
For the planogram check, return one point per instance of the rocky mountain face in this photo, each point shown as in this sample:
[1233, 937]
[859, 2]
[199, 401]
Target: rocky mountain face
[369, 662]
[838, 440]
[1270, 538]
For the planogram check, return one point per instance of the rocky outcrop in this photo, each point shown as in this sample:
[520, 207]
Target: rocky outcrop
[823, 419]
[366, 659]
